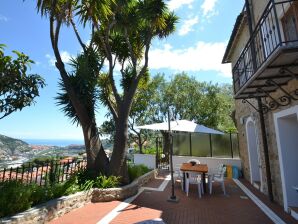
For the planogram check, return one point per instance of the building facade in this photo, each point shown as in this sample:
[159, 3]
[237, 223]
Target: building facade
[263, 51]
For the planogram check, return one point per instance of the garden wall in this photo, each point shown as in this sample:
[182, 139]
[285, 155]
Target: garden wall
[146, 159]
[60, 206]
[212, 162]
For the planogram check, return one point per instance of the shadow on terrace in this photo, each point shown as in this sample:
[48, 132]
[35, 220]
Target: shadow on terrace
[235, 207]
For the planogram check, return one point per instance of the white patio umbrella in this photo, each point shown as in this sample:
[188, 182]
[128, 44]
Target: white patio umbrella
[181, 125]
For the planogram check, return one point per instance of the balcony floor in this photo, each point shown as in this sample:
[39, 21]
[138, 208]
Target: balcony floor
[152, 205]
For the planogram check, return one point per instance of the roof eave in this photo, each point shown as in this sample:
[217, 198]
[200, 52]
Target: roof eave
[235, 31]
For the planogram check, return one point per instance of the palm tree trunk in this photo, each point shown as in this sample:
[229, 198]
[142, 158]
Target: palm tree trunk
[118, 163]
[97, 160]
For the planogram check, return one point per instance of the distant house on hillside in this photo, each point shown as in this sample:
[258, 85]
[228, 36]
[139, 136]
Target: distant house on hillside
[263, 50]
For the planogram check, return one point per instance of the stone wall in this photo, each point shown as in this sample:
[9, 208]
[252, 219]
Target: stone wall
[58, 207]
[243, 112]
[50, 210]
[100, 195]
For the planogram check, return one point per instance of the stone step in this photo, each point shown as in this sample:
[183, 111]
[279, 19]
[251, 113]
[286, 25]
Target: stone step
[294, 212]
[257, 184]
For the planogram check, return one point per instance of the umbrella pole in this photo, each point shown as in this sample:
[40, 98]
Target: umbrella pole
[173, 197]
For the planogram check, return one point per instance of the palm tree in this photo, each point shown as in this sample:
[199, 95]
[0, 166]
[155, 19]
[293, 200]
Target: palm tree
[122, 32]
[61, 12]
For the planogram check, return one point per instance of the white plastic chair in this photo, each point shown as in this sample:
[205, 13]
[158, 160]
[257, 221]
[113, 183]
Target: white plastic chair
[194, 160]
[178, 175]
[219, 170]
[219, 177]
[194, 178]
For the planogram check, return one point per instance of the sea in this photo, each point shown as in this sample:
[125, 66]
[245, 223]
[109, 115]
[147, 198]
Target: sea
[54, 142]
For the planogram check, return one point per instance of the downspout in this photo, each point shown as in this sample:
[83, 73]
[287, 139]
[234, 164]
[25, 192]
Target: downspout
[260, 109]
[265, 147]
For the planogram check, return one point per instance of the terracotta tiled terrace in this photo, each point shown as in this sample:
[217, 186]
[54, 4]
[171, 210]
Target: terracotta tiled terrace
[151, 206]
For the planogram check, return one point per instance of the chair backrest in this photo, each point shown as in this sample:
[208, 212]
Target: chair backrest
[193, 177]
[177, 170]
[223, 171]
[219, 168]
[194, 161]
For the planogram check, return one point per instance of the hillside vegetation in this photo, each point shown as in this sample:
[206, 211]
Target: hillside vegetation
[11, 146]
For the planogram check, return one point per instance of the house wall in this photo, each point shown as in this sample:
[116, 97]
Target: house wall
[241, 40]
[258, 7]
[244, 111]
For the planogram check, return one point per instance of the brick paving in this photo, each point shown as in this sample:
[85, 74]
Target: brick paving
[89, 214]
[235, 207]
[278, 209]
[215, 208]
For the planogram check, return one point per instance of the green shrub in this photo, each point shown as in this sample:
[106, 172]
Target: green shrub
[106, 182]
[88, 179]
[135, 171]
[85, 175]
[55, 172]
[15, 197]
[101, 182]
[151, 151]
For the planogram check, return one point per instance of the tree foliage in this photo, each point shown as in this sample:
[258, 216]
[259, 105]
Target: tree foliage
[122, 32]
[205, 103]
[17, 88]
[84, 79]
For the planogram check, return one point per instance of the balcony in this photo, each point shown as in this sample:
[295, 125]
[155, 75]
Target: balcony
[270, 58]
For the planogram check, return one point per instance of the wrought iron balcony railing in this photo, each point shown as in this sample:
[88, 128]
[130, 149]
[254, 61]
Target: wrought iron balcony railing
[277, 27]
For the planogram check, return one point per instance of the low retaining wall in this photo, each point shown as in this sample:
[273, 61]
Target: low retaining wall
[57, 207]
[111, 194]
[52, 209]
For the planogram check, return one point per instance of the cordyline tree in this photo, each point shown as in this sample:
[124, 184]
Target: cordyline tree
[17, 88]
[122, 32]
[140, 114]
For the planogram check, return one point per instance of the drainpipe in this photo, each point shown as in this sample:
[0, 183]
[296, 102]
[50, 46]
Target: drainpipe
[265, 147]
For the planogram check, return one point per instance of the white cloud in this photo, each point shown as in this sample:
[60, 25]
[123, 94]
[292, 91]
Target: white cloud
[202, 56]
[3, 18]
[208, 7]
[187, 26]
[176, 4]
[65, 56]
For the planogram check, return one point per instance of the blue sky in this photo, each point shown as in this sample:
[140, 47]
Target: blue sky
[197, 48]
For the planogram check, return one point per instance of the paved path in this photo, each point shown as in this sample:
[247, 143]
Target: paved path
[89, 214]
[150, 206]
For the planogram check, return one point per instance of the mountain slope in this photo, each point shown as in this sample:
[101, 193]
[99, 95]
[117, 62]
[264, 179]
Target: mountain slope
[12, 146]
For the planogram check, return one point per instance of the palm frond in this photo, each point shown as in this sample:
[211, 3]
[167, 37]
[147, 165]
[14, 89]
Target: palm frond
[84, 81]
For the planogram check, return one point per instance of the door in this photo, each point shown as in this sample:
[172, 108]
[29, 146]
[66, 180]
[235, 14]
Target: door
[253, 154]
[286, 125]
